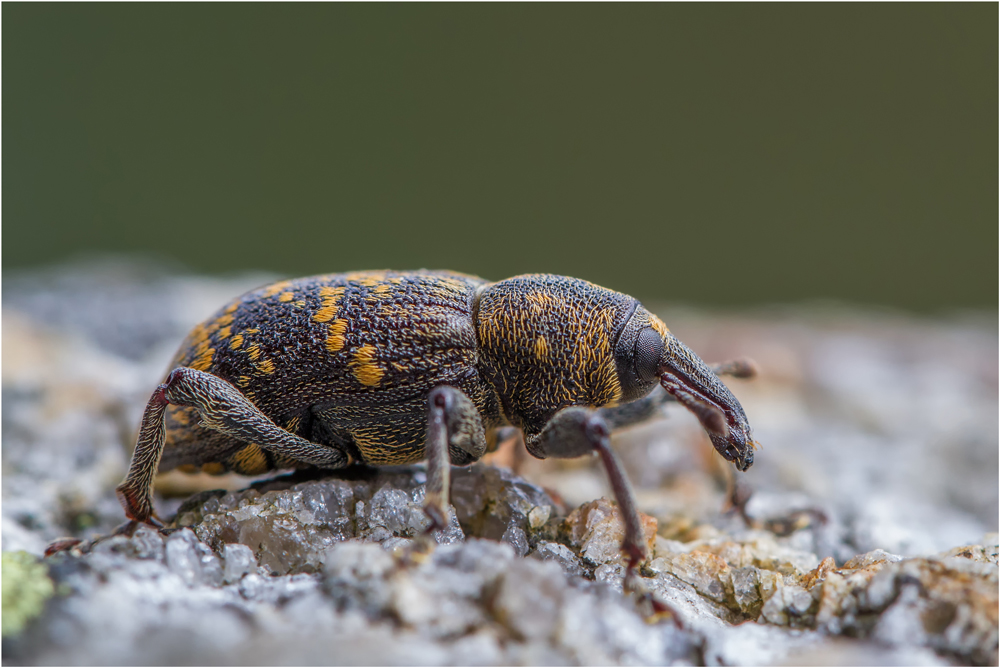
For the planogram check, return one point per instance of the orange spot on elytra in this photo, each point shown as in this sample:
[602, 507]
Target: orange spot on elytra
[331, 297]
[335, 339]
[272, 290]
[366, 371]
[204, 356]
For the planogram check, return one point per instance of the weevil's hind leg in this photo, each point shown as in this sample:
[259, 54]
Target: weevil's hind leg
[454, 435]
[577, 431]
[222, 407]
[135, 492]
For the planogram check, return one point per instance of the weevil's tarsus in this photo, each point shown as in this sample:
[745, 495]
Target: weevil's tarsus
[61, 545]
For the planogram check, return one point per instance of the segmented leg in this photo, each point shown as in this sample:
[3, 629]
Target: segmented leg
[222, 407]
[639, 411]
[454, 434]
[577, 431]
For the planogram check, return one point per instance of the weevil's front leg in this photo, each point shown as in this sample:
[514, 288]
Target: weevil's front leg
[742, 367]
[454, 435]
[626, 415]
[577, 431]
[221, 407]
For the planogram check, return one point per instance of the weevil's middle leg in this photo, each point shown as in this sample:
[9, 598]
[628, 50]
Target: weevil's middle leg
[222, 407]
[454, 433]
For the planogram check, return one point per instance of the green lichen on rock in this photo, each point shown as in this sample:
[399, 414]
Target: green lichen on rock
[26, 587]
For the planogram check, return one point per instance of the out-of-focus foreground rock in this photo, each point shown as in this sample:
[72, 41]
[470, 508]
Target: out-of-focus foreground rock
[869, 539]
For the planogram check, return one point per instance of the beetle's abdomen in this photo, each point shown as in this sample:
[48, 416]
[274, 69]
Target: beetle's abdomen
[361, 342]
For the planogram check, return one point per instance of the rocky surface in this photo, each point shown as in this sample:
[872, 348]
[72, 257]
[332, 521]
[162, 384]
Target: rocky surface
[869, 537]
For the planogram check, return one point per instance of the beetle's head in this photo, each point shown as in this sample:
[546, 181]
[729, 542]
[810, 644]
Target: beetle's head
[647, 353]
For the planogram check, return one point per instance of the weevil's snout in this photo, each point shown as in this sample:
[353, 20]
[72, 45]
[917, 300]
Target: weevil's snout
[736, 448]
[696, 387]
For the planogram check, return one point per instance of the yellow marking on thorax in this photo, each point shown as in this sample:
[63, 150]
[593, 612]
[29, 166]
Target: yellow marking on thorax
[243, 381]
[594, 357]
[541, 348]
[366, 371]
[658, 325]
[252, 330]
[335, 339]
[300, 303]
[286, 297]
[328, 308]
[254, 352]
[232, 307]
[236, 342]
[223, 320]
[225, 332]
[265, 366]
[539, 301]
[293, 424]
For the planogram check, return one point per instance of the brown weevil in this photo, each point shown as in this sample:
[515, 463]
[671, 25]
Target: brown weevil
[394, 367]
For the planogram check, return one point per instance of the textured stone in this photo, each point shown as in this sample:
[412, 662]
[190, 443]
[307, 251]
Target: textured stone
[596, 529]
[877, 462]
[239, 560]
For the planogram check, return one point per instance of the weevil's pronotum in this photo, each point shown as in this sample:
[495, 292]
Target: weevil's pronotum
[391, 368]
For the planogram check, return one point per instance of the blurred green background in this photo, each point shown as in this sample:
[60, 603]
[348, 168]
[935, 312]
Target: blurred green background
[704, 153]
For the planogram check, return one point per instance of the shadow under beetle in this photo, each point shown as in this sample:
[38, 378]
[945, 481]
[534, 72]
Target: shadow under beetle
[394, 367]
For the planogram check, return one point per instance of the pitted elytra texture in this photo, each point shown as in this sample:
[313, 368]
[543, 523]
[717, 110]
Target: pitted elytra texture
[350, 346]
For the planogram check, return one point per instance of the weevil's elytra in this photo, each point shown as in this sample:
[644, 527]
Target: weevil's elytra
[393, 367]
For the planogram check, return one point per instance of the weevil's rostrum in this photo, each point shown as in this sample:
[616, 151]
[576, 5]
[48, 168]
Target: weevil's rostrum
[392, 367]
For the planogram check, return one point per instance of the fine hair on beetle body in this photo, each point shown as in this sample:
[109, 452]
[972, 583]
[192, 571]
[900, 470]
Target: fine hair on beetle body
[391, 367]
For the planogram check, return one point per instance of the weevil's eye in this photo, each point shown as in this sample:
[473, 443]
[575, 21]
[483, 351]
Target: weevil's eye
[637, 356]
[648, 348]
